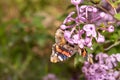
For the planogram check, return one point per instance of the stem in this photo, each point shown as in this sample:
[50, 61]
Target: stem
[115, 11]
[86, 13]
[10, 66]
[95, 19]
[27, 61]
[112, 6]
[77, 8]
[73, 29]
[111, 46]
[104, 10]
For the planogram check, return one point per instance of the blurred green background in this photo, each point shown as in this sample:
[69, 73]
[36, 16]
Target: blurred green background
[27, 29]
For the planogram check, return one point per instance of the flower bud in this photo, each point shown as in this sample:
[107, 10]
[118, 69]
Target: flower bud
[75, 2]
[63, 27]
[90, 29]
[110, 28]
[100, 38]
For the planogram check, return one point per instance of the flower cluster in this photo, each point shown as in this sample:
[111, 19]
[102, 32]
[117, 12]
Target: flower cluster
[89, 22]
[103, 69]
[87, 25]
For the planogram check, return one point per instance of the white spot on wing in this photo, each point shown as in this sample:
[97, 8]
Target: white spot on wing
[59, 57]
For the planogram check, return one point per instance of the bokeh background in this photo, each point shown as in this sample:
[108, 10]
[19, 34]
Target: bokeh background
[27, 29]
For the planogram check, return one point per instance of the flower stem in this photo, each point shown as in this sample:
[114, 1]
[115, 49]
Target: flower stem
[77, 8]
[112, 6]
[111, 46]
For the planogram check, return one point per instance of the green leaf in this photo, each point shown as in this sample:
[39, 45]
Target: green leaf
[37, 22]
[78, 59]
[111, 51]
[117, 16]
[41, 40]
[119, 32]
[114, 36]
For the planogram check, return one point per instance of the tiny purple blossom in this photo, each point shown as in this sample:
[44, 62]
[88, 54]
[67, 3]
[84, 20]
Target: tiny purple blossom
[87, 40]
[67, 36]
[84, 69]
[91, 71]
[76, 2]
[87, 64]
[69, 18]
[113, 61]
[81, 43]
[118, 57]
[89, 45]
[108, 17]
[116, 73]
[100, 38]
[82, 8]
[91, 9]
[104, 66]
[102, 14]
[81, 32]
[90, 30]
[76, 38]
[109, 63]
[110, 76]
[101, 57]
[111, 28]
[63, 27]
[95, 9]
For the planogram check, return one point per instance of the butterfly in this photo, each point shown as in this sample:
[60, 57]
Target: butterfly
[59, 53]
[62, 50]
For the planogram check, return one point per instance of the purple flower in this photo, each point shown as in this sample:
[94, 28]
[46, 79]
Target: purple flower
[89, 45]
[69, 18]
[101, 70]
[81, 32]
[83, 8]
[63, 27]
[92, 69]
[67, 36]
[109, 63]
[85, 70]
[76, 38]
[116, 73]
[101, 57]
[110, 76]
[81, 43]
[104, 67]
[90, 30]
[108, 17]
[87, 64]
[102, 14]
[91, 16]
[88, 42]
[118, 57]
[111, 28]
[76, 2]
[100, 38]
[50, 77]
[91, 9]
